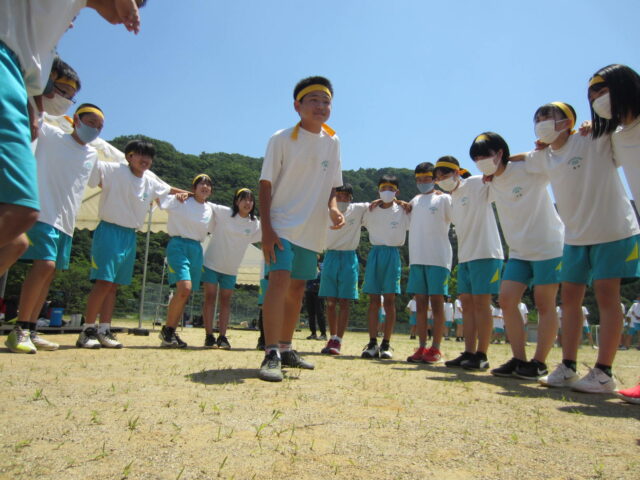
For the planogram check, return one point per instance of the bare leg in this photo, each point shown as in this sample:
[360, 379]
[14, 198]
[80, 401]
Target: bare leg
[14, 221]
[292, 306]
[437, 305]
[545, 299]
[390, 313]
[99, 293]
[178, 302]
[332, 315]
[225, 310]
[422, 304]
[209, 306]
[510, 295]
[469, 323]
[106, 312]
[35, 289]
[572, 296]
[608, 297]
[273, 306]
[483, 320]
[343, 316]
[374, 308]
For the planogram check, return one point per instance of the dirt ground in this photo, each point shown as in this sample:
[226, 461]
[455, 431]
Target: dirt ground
[147, 413]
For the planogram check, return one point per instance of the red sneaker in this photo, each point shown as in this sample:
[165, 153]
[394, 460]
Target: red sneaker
[334, 347]
[432, 356]
[418, 356]
[631, 395]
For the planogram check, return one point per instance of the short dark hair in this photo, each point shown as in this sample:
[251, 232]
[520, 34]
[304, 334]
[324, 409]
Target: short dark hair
[424, 167]
[624, 92]
[387, 178]
[549, 109]
[141, 147]
[446, 170]
[305, 82]
[87, 105]
[241, 194]
[346, 188]
[62, 69]
[486, 143]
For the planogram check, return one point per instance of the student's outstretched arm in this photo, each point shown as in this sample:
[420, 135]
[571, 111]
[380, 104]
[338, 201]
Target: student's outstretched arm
[337, 218]
[269, 237]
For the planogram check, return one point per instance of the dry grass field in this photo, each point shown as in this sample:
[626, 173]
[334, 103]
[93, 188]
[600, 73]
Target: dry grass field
[147, 413]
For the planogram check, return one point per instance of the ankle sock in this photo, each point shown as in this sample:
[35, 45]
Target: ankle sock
[481, 355]
[26, 326]
[570, 364]
[605, 368]
[104, 327]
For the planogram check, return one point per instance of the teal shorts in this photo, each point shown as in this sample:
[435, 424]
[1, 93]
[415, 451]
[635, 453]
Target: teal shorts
[479, 277]
[448, 324]
[226, 282]
[48, 243]
[533, 272]
[113, 253]
[264, 283]
[382, 317]
[583, 264]
[585, 330]
[301, 262]
[339, 277]
[633, 330]
[412, 319]
[382, 274]
[428, 280]
[18, 170]
[184, 259]
[498, 330]
[457, 321]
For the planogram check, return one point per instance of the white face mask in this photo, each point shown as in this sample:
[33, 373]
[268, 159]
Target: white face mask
[425, 187]
[57, 105]
[546, 131]
[448, 184]
[387, 196]
[602, 106]
[487, 166]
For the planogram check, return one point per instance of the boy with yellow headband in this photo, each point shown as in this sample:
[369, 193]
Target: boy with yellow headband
[65, 162]
[300, 173]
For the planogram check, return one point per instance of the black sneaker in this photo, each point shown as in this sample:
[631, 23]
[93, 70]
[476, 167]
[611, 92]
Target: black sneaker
[532, 370]
[223, 343]
[260, 345]
[323, 337]
[181, 343]
[507, 369]
[294, 360]
[371, 350]
[170, 339]
[457, 362]
[313, 336]
[271, 369]
[210, 341]
[475, 363]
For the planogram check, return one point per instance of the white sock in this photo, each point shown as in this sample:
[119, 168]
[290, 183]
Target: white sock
[336, 337]
[104, 327]
[285, 347]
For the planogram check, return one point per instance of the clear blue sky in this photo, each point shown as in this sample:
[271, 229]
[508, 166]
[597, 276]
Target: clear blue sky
[413, 79]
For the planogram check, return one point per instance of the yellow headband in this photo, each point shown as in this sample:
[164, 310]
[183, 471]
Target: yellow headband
[481, 138]
[90, 110]
[595, 80]
[240, 190]
[567, 112]
[312, 88]
[327, 129]
[424, 174]
[67, 81]
[450, 165]
[197, 177]
[387, 184]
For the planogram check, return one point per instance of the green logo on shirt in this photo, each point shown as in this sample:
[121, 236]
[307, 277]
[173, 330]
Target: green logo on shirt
[464, 201]
[433, 210]
[517, 191]
[575, 162]
[325, 165]
[394, 224]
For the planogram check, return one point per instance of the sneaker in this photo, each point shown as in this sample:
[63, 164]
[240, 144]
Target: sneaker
[412, 337]
[170, 339]
[596, 381]
[42, 344]
[223, 343]
[322, 337]
[507, 369]
[88, 339]
[210, 341]
[562, 376]
[457, 362]
[260, 345]
[293, 359]
[432, 356]
[417, 355]
[475, 363]
[331, 348]
[313, 336]
[271, 369]
[532, 370]
[631, 395]
[19, 341]
[386, 352]
[108, 340]
[622, 347]
[371, 350]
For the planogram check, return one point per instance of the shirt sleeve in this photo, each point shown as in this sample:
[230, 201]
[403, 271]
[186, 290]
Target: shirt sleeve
[97, 174]
[536, 161]
[272, 163]
[257, 234]
[169, 202]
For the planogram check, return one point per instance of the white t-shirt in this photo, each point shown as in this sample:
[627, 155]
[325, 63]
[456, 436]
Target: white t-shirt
[626, 151]
[457, 311]
[498, 320]
[448, 312]
[430, 219]
[585, 312]
[532, 228]
[31, 29]
[125, 198]
[190, 219]
[524, 311]
[589, 194]
[348, 237]
[634, 313]
[387, 226]
[474, 221]
[412, 306]
[64, 168]
[229, 240]
[302, 173]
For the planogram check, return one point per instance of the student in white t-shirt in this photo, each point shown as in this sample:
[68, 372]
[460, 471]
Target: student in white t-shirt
[339, 275]
[457, 319]
[29, 32]
[412, 309]
[188, 225]
[127, 192]
[387, 225]
[498, 324]
[65, 162]
[235, 228]
[534, 232]
[633, 325]
[430, 257]
[479, 255]
[448, 318]
[600, 247]
[300, 173]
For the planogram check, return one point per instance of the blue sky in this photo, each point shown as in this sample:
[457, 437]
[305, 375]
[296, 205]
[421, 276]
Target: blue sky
[414, 80]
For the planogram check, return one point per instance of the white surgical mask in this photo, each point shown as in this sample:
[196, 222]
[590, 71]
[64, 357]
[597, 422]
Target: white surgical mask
[448, 184]
[546, 131]
[487, 166]
[342, 206]
[57, 105]
[425, 187]
[86, 133]
[602, 106]
[387, 196]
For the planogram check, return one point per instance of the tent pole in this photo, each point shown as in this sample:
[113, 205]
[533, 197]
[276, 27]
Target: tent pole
[159, 304]
[144, 270]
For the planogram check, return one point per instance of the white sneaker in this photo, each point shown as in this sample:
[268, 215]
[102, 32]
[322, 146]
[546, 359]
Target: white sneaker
[88, 339]
[562, 376]
[42, 344]
[596, 381]
[386, 352]
[108, 340]
[372, 350]
[19, 341]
